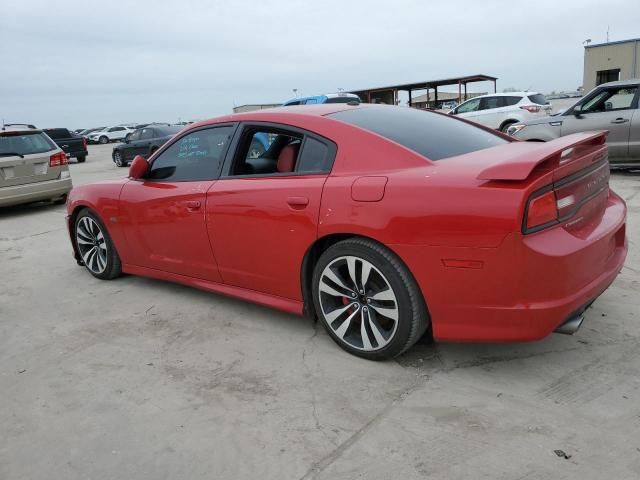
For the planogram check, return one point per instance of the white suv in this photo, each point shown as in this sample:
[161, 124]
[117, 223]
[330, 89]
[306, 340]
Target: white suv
[500, 110]
[109, 134]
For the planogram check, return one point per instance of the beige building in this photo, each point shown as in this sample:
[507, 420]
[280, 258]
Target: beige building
[608, 62]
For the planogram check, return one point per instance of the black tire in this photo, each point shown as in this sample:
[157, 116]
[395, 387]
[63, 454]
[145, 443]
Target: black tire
[412, 315]
[505, 126]
[118, 159]
[113, 266]
[60, 200]
[103, 140]
[81, 159]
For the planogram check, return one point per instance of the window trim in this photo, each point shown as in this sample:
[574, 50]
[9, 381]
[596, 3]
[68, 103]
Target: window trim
[167, 145]
[242, 126]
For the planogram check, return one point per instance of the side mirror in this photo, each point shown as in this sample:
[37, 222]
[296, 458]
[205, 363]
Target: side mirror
[577, 111]
[139, 168]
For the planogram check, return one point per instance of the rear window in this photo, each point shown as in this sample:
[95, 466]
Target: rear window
[538, 98]
[57, 133]
[344, 99]
[166, 131]
[430, 134]
[25, 143]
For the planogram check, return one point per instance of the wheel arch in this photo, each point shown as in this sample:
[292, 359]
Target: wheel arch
[507, 122]
[317, 248]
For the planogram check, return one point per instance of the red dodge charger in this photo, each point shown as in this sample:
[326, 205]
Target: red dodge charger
[383, 222]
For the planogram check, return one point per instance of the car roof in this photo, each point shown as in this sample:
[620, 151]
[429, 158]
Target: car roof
[506, 94]
[19, 127]
[316, 110]
[618, 83]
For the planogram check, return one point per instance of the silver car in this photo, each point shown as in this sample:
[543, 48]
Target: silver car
[32, 167]
[611, 106]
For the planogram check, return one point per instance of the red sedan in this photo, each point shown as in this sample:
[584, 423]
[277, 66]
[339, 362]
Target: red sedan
[383, 222]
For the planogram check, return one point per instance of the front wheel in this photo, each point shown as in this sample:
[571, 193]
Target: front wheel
[103, 140]
[95, 248]
[81, 159]
[367, 300]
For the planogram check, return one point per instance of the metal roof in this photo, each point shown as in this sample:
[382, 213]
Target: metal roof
[605, 44]
[430, 83]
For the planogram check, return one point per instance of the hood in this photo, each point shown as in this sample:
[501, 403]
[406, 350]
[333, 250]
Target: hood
[543, 120]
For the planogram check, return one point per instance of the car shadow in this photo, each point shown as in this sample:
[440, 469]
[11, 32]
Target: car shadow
[30, 209]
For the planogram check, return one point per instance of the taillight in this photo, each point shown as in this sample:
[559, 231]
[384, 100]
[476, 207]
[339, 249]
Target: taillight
[58, 159]
[542, 210]
[84, 142]
[531, 108]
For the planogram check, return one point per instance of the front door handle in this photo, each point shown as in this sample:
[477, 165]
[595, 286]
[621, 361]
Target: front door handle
[620, 120]
[298, 201]
[193, 205]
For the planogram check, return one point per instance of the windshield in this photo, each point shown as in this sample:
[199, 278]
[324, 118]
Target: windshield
[430, 134]
[25, 143]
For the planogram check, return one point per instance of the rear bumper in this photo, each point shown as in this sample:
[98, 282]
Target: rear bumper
[33, 192]
[527, 287]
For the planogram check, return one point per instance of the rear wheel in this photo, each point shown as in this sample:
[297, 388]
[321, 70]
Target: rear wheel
[81, 159]
[118, 159]
[367, 300]
[95, 247]
[103, 139]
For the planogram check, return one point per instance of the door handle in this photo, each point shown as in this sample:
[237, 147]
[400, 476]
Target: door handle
[620, 120]
[298, 201]
[192, 205]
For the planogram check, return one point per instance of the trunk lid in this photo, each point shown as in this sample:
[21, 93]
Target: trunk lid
[579, 172]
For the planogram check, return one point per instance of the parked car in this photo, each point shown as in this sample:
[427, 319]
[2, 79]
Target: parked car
[500, 110]
[611, 106]
[144, 141]
[87, 131]
[382, 221]
[32, 167]
[328, 98]
[74, 145]
[109, 134]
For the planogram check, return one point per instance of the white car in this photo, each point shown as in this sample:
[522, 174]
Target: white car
[109, 134]
[500, 110]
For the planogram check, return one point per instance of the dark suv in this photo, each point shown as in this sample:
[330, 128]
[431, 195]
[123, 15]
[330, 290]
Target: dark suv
[143, 141]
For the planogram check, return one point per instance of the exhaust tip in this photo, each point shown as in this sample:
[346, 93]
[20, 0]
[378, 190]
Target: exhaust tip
[571, 326]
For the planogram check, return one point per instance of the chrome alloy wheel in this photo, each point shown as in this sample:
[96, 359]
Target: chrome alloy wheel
[91, 245]
[358, 303]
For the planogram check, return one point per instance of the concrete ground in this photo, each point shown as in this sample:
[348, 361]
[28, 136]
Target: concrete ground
[142, 379]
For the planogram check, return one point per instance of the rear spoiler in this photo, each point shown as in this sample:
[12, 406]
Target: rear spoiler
[523, 157]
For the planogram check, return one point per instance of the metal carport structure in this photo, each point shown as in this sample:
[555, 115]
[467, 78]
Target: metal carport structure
[390, 94]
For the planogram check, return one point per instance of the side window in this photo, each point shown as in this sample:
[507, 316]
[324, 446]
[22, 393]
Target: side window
[488, 103]
[264, 151]
[134, 136]
[311, 101]
[509, 101]
[196, 156]
[146, 134]
[610, 99]
[470, 106]
[316, 156]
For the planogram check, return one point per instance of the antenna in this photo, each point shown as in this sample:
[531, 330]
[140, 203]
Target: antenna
[607, 33]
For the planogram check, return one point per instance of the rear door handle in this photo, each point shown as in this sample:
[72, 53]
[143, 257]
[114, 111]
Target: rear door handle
[193, 205]
[298, 201]
[620, 120]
